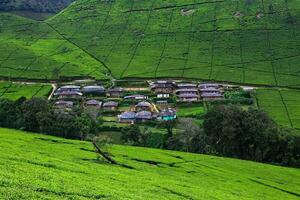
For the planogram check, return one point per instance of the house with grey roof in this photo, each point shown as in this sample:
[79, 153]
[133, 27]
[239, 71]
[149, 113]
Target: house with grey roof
[208, 85]
[136, 97]
[93, 103]
[67, 89]
[143, 116]
[208, 96]
[162, 87]
[188, 97]
[93, 90]
[115, 92]
[186, 86]
[69, 95]
[61, 104]
[143, 106]
[110, 106]
[127, 117]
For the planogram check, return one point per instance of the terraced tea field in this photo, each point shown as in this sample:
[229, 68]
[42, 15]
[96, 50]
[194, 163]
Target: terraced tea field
[34, 166]
[14, 91]
[282, 105]
[254, 41]
[32, 50]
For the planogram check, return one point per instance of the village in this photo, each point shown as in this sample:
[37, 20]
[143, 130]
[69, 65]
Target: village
[158, 101]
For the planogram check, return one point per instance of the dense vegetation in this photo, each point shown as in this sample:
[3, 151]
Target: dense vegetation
[38, 115]
[216, 40]
[40, 6]
[42, 167]
[226, 131]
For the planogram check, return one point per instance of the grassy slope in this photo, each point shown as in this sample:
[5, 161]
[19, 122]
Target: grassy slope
[153, 39]
[40, 167]
[30, 49]
[14, 91]
[230, 40]
[282, 105]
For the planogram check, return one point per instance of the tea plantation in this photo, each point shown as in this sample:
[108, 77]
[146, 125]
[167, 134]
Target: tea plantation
[34, 166]
[14, 91]
[249, 41]
[282, 105]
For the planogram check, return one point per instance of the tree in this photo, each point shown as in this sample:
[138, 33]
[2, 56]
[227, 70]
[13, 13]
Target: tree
[222, 125]
[83, 124]
[29, 109]
[131, 135]
[189, 132]
[10, 114]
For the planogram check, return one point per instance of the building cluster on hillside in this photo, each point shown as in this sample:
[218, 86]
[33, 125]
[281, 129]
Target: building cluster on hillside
[142, 107]
[188, 92]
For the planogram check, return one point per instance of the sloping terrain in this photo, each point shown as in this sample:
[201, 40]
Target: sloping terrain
[49, 6]
[248, 41]
[33, 50]
[14, 91]
[34, 166]
[282, 105]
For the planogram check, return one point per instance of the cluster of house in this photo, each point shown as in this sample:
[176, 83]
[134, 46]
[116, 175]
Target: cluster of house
[187, 92]
[74, 91]
[144, 112]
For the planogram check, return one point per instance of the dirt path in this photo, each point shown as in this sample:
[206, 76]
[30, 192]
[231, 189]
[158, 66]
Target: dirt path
[54, 86]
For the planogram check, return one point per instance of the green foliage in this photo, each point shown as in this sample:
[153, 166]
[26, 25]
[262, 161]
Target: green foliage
[38, 115]
[14, 91]
[251, 135]
[282, 105]
[144, 39]
[43, 167]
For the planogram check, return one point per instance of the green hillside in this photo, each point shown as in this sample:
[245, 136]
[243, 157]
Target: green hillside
[247, 41]
[41, 167]
[282, 105]
[14, 91]
[33, 50]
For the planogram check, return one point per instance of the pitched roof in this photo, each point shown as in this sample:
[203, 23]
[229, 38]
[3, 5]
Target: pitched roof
[127, 115]
[64, 103]
[209, 85]
[143, 115]
[188, 95]
[111, 104]
[69, 93]
[93, 102]
[136, 96]
[185, 85]
[70, 87]
[143, 104]
[187, 90]
[93, 88]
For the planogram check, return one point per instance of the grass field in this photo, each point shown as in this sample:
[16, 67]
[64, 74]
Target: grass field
[41, 167]
[14, 91]
[216, 40]
[190, 110]
[282, 105]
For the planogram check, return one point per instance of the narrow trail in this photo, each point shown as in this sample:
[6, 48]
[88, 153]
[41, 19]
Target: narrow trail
[54, 87]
